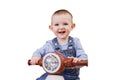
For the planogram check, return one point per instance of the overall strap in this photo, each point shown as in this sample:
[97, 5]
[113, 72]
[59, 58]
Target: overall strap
[55, 44]
[70, 43]
[71, 47]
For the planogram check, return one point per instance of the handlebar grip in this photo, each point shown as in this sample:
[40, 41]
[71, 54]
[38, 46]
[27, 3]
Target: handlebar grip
[81, 63]
[29, 62]
[38, 63]
[68, 62]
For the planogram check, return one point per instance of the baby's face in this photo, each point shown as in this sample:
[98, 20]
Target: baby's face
[62, 25]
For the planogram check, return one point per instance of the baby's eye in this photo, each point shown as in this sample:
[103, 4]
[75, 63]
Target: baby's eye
[56, 24]
[65, 23]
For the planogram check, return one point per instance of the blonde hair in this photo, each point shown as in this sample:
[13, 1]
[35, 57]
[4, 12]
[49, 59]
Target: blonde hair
[62, 11]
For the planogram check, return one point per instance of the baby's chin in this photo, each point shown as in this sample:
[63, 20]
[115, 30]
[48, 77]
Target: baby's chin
[62, 36]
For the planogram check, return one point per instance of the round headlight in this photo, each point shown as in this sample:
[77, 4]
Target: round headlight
[53, 63]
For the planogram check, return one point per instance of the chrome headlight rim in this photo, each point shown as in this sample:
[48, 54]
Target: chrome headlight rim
[54, 69]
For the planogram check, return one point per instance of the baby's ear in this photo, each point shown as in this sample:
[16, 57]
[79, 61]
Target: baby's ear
[73, 26]
[50, 27]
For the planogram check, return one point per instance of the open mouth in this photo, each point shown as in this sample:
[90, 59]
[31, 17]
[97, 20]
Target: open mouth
[61, 32]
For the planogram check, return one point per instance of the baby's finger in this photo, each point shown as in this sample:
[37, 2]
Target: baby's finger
[75, 60]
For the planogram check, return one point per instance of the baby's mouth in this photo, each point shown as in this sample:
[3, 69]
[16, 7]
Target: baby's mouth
[61, 32]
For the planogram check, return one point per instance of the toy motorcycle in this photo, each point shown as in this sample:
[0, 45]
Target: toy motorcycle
[55, 63]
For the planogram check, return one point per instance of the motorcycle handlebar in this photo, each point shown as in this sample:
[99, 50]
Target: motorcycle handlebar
[68, 62]
[39, 62]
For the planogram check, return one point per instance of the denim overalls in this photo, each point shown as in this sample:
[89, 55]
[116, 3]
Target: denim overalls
[68, 73]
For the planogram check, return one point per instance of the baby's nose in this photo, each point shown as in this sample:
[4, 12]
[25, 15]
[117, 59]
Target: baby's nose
[61, 26]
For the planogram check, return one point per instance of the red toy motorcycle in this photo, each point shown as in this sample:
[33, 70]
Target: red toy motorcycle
[55, 63]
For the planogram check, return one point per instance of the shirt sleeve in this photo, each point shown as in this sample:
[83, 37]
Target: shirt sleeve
[46, 48]
[80, 53]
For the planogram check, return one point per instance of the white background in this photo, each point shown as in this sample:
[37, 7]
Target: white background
[24, 28]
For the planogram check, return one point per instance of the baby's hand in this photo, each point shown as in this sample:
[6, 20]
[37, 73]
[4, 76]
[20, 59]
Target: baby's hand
[75, 60]
[34, 60]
